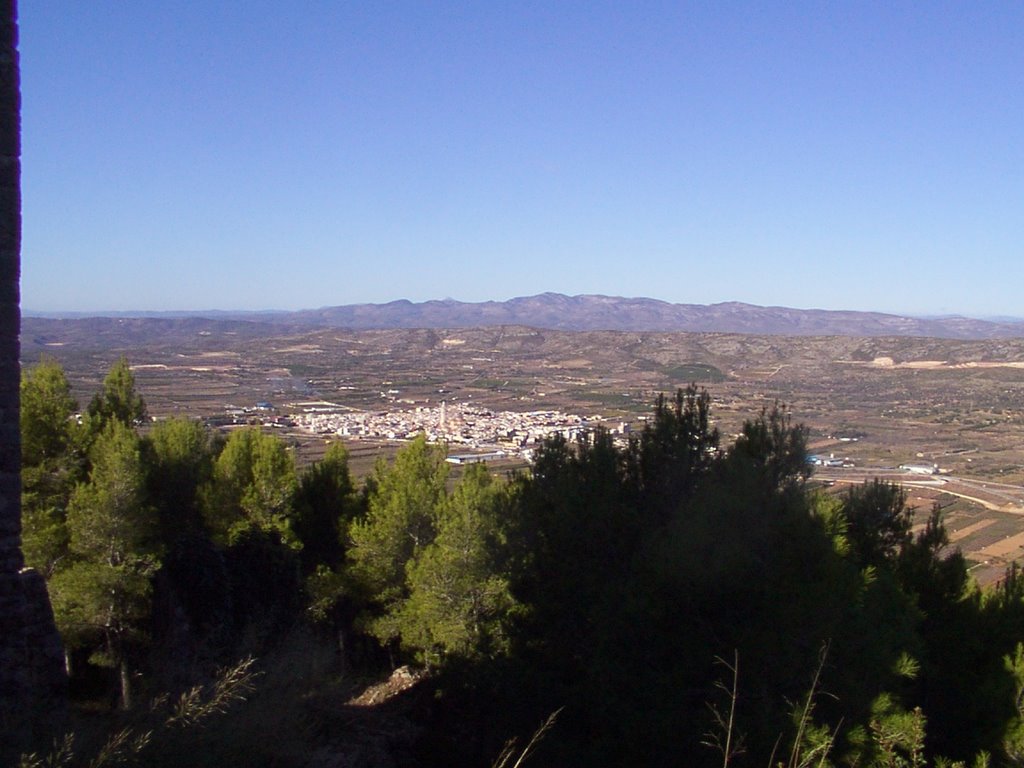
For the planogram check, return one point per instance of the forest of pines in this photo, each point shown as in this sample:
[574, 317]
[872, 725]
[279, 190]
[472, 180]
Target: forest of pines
[677, 601]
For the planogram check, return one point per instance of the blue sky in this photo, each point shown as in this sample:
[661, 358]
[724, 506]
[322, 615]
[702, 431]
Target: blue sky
[254, 155]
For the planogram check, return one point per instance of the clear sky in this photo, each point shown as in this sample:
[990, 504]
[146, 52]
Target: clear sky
[266, 154]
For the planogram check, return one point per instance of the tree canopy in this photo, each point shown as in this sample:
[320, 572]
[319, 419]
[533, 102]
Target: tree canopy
[401, 518]
[117, 400]
[662, 591]
[52, 462]
[105, 591]
[180, 454]
[325, 505]
[253, 486]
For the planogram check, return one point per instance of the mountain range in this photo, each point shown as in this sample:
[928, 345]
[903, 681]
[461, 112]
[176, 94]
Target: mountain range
[610, 313]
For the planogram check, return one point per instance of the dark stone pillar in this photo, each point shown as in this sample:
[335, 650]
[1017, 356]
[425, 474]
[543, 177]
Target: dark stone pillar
[10, 316]
[32, 680]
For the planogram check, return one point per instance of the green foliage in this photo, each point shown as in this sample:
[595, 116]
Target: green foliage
[636, 569]
[401, 519]
[774, 448]
[117, 400]
[103, 606]
[937, 578]
[325, 504]
[44, 537]
[672, 453]
[458, 595]
[253, 486]
[108, 517]
[1013, 738]
[828, 510]
[179, 454]
[897, 734]
[47, 414]
[51, 463]
[878, 521]
[325, 588]
[608, 579]
[103, 596]
[433, 563]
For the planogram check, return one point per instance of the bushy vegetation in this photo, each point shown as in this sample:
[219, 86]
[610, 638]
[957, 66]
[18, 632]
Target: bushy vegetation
[676, 600]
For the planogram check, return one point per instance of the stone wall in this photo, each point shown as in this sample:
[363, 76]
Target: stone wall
[32, 680]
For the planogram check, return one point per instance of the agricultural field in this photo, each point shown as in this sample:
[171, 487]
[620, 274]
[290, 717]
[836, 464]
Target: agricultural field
[875, 403]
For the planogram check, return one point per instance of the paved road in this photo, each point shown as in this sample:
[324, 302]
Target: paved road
[1001, 497]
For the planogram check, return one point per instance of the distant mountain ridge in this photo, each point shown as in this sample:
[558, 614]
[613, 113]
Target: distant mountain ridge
[557, 311]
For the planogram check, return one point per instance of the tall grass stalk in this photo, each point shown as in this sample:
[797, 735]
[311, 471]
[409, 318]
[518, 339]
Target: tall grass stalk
[724, 734]
[508, 752]
[128, 745]
[725, 738]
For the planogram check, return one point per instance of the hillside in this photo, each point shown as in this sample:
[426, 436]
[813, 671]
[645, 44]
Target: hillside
[611, 313]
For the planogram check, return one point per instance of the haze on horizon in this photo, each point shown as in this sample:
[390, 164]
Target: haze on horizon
[266, 156]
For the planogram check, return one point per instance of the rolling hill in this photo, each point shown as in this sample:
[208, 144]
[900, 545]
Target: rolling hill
[611, 313]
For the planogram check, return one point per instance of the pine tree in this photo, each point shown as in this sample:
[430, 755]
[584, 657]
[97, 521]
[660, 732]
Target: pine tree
[102, 599]
[878, 521]
[179, 454]
[253, 486]
[47, 413]
[458, 589]
[401, 520]
[51, 463]
[117, 400]
[325, 504]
